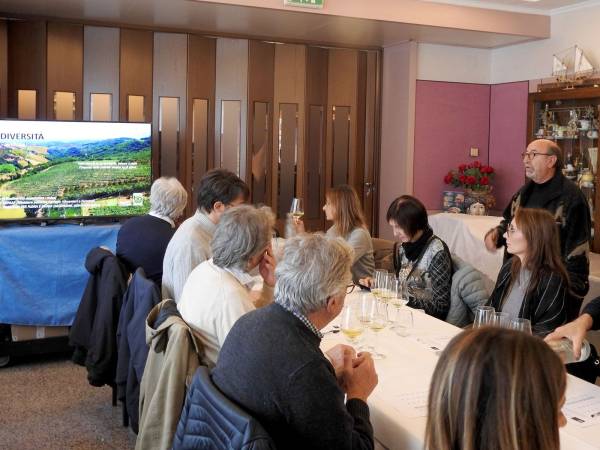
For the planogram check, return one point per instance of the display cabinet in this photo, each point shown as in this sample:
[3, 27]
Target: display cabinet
[570, 118]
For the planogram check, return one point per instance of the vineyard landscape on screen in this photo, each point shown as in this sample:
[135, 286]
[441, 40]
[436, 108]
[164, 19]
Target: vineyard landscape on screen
[53, 170]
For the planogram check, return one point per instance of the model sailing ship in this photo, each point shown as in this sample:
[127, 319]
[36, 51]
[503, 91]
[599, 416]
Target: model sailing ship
[571, 68]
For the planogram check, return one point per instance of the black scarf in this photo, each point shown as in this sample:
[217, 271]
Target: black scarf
[413, 250]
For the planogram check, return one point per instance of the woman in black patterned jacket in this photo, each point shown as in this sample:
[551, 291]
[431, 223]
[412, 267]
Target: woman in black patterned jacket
[533, 283]
[421, 259]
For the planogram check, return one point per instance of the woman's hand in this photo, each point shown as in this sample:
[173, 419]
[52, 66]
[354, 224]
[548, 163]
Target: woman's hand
[368, 282]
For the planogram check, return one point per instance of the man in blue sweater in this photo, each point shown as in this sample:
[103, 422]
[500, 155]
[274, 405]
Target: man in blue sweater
[271, 364]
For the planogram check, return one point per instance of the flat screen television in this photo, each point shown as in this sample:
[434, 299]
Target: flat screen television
[71, 170]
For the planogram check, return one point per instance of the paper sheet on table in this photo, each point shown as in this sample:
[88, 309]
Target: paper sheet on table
[436, 342]
[411, 404]
[583, 409]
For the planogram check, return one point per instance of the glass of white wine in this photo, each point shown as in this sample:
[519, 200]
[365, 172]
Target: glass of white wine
[378, 321]
[378, 276]
[399, 296]
[297, 209]
[351, 325]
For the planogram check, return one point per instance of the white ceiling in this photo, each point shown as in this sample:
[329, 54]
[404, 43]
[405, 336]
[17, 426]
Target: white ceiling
[541, 6]
[260, 23]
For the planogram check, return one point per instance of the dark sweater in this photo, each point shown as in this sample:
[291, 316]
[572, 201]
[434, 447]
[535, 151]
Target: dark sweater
[565, 201]
[142, 242]
[545, 306]
[271, 365]
[593, 309]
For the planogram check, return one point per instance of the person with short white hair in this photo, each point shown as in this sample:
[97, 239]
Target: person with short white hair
[218, 291]
[142, 241]
[272, 366]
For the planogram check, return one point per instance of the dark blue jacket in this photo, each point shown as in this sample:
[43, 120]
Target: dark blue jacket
[94, 330]
[211, 421]
[141, 296]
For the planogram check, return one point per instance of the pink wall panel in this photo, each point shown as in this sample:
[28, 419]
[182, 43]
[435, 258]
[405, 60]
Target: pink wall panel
[450, 118]
[508, 138]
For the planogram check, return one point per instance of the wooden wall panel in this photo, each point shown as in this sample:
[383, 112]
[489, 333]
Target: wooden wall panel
[3, 69]
[342, 91]
[200, 85]
[290, 87]
[358, 180]
[27, 63]
[135, 75]
[135, 69]
[65, 65]
[169, 80]
[100, 66]
[232, 84]
[317, 64]
[261, 73]
[371, 156]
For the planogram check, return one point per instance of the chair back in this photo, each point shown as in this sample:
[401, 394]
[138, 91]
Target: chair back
[470, 289]
[210, 420]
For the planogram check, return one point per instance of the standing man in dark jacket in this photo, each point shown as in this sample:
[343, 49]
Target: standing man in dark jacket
[271, 364]
[547, 188]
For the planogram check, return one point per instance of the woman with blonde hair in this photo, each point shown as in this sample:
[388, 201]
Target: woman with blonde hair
[342, 207]
[496, 389]
[533, 283]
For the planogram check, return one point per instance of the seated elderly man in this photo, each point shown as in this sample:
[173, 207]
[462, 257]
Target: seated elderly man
[217, 292]
[271, 364]
[142, 241]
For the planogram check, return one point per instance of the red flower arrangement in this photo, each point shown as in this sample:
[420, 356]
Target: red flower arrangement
[474, 176]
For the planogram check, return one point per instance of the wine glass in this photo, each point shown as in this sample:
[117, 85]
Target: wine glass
[351, 325]
[297, 209]
[483, 316]
[398, 295]
[377, 277]
[377, 312]
[520, 324]
[501, 320]
[404, 322]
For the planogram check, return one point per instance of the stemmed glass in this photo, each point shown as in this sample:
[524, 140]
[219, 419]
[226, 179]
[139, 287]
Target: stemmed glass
[398, 295]
[297, 209]
[484, 316]
[378, 282]
[351, 325]
[378, 320]
[523, 325]
[404, 322]
[501, 320]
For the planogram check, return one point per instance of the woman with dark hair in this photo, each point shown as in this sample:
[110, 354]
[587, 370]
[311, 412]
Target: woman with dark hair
[533, 283]
[496, 389]
[342, 207]
[422, 259]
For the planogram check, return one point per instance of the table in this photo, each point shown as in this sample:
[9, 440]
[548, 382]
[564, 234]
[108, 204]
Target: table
[408, 368]
[42, 273]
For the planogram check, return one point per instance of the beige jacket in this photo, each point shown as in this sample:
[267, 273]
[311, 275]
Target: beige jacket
[175, 354]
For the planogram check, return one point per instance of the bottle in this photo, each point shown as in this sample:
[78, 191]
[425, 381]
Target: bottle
[564, 348]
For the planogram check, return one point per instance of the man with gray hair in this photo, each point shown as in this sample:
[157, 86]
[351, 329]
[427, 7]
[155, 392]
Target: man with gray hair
[549, 189]
[271, 364]
[217, 292]
[142, 241]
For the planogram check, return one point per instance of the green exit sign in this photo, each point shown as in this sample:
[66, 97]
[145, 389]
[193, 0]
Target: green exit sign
[304, 3]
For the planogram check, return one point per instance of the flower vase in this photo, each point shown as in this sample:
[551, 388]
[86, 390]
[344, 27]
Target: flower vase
[478, 202]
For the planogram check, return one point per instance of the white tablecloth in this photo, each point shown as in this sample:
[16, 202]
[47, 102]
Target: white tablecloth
[408, 368]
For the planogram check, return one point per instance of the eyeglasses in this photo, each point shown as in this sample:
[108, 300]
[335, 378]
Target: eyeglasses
[350, 288]
[511, 229]
[530, 155]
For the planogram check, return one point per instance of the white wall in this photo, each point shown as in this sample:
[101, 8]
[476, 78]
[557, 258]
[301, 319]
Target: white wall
[533, 60]
[450, 63]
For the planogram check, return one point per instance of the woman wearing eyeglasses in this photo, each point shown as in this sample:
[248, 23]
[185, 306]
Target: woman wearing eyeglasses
[533, 283]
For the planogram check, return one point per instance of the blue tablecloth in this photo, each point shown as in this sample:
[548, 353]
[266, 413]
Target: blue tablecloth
[42, 273]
